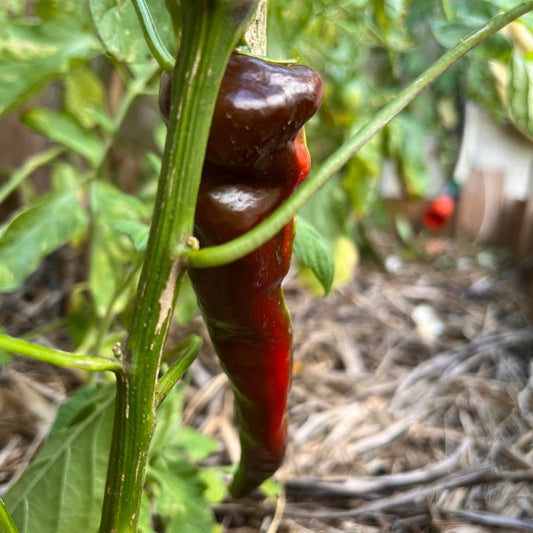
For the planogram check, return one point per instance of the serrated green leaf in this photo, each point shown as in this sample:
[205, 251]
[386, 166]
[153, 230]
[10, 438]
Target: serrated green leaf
[520, 94]
[64, 129]
[36, 232]
[32, 54]
[120, 31]
[111, 250]
[180, 500]
[312, 250]
[62, 489]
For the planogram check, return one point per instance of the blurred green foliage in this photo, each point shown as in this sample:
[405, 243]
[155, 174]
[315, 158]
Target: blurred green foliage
[97, 86]
[367, 51]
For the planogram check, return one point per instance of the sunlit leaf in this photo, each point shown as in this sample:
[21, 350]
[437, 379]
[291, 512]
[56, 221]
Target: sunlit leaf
[112, 250]
[64, 129]
[84, 98]
[33, 53]
[36, 232]
[120, 31]
[312, 250]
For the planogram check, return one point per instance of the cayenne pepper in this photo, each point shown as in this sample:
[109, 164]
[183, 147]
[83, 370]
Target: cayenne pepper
[256, 157]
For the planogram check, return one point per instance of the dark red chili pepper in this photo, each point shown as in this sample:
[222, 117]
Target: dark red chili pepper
[256, 157]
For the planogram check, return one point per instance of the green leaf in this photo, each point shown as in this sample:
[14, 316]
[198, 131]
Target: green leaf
[36, 232]
[6, 522]
[34, 53]
[520, 94]
[145, 515]
[405, 140]
[177, 487]
[180, 498]
[136, 231]
[450, 33]
[111, 250]
[198, 446]
[216, 488]
[312, 250]
[62, 490]
[85, 99]
[69, 409]
[65, 177]
[64, 129]
[361, 176]
[388, 12]
[120, 31]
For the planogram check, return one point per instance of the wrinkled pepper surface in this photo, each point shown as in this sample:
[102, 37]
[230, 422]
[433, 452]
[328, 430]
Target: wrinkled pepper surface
[256, 157]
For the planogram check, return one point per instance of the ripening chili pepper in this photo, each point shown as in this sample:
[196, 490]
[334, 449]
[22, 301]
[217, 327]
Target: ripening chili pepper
[256, 157]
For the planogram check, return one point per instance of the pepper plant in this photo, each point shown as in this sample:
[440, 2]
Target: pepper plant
[113, 479]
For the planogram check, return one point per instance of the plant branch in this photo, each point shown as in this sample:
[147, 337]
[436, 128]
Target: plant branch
[237, 248]
[187, 350]
[152, 37]
[58, 357]
[210, 31]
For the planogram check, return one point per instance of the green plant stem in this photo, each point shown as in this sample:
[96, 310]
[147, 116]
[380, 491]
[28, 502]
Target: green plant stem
[237, 248]
[58, 357]
[211, 28]
[187, 351]
[30, 165]
[151, 36]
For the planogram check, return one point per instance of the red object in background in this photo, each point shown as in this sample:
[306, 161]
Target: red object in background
[438, 213]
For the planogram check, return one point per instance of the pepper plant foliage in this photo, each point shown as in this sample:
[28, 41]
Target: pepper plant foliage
[366, 51]
[87, 81]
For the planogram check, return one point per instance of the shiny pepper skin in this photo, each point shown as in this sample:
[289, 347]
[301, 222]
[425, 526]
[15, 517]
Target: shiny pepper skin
[256, 157]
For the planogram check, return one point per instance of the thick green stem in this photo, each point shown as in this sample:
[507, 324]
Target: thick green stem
[233, 250]
[58, 357]
[211, 28]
